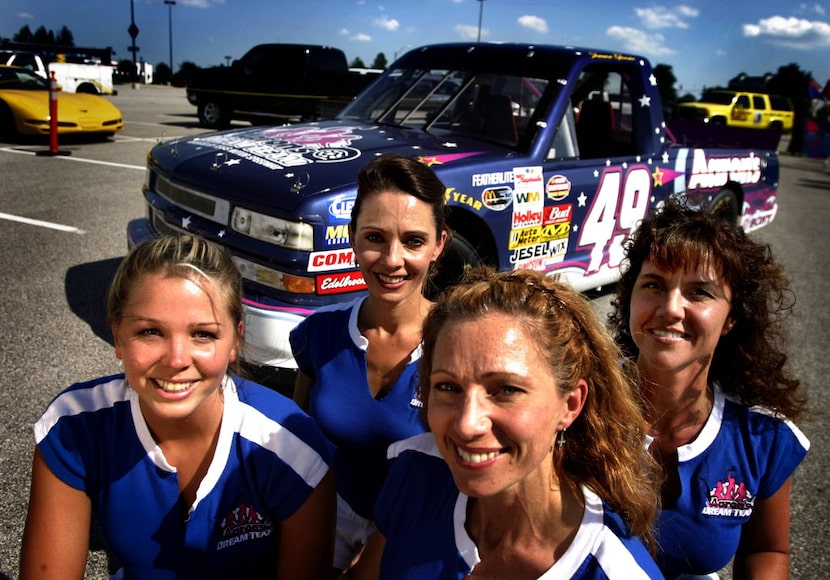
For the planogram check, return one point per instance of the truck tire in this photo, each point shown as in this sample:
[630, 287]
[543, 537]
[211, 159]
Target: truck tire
[459, 257]
[726, 200]
[214, 114]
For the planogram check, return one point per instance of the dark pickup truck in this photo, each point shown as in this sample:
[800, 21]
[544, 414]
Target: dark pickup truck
[272, 82]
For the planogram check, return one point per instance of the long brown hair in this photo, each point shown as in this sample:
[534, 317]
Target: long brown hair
[750, 360]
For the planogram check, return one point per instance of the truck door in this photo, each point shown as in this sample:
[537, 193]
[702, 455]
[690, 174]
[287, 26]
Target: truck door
[597, 172]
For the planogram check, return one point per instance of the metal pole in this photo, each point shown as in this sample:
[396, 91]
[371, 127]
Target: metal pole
[134, 49]
[170, 4]
[480, 12]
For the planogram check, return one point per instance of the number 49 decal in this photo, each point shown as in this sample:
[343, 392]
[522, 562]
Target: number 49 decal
[618, 207]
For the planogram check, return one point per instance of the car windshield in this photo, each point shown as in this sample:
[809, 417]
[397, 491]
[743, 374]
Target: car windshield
[498, 108]
[18, 78]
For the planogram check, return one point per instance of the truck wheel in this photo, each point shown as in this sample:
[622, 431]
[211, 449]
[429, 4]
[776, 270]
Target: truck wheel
[214, 115]
[726, 201]
[459, 257]
[776, 126]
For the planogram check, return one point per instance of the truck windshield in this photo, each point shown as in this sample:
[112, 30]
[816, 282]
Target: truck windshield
[493, 107]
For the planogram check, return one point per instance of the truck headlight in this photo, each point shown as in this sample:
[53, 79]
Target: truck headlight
[273, 278]
[291, 235]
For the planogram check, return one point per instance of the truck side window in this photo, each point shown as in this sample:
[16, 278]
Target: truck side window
[604, 111]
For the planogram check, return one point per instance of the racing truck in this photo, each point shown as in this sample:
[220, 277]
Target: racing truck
[550, 156]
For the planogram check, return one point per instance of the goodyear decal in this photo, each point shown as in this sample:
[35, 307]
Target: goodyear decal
[451, 195]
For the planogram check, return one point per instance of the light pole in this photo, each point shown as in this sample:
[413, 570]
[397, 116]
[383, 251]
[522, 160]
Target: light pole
[480, 12]
[170, 4]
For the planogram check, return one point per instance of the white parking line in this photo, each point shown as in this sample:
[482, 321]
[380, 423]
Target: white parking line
[54, 226]
[79, 159]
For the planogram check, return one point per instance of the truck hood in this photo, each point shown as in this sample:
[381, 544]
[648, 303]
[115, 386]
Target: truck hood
[280, 167]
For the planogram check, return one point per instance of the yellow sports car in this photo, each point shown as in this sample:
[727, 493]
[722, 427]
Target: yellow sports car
[24, 108]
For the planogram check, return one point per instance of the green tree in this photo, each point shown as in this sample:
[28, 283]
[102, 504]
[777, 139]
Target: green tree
[43, 36]
[24, 34]
[162, 74]
[792, 82]
[380, 61]
[664, 73]
[181, 76]
[357, 63]
[65, 37]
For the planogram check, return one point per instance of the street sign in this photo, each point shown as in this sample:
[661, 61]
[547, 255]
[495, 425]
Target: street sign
[133, 30]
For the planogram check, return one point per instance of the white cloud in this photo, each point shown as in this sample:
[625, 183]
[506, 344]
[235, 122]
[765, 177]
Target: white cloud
[343, 32]
[389, 24]
[200, 3]
[361, 37]
[533, 23]
[662, 17]
[791, 32]
[640, 42]
[470, 32]
[25, 15]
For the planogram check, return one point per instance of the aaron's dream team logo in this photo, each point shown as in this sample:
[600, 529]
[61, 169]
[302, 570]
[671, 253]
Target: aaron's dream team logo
[729, 498]
[242, 524]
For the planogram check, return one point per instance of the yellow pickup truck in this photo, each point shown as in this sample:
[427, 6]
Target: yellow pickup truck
[741, 109]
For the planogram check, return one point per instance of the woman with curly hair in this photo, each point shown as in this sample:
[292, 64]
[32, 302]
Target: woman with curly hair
[534, 466]
[701, 309]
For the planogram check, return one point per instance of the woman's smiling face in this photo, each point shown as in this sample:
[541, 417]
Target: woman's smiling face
[395, 241]
[494, 406]
[678, 317]
[176, 341]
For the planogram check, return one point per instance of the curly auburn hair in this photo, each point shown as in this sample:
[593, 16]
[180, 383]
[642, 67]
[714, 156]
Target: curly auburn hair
[605, 448]
[749, 361]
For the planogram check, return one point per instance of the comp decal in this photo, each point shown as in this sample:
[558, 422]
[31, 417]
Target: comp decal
[331, 260]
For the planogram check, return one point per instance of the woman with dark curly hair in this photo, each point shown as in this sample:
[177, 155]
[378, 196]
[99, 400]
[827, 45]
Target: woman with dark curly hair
[534, 467]
[701, 309]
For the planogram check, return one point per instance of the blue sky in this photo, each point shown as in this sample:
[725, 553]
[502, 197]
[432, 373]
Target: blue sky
[707, 42]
